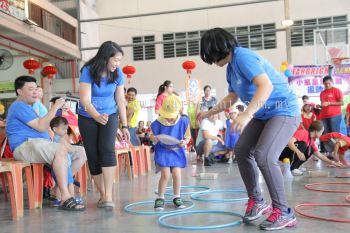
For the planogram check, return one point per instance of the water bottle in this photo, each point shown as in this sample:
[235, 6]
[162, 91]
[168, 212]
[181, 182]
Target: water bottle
[287, 174]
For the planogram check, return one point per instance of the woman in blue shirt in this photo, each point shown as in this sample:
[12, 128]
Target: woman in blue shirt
[101, 94]
[271, 118]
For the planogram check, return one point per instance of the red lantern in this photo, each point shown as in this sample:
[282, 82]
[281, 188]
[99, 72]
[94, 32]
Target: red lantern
[189, 65]
[49, 71]
[31, 65]
[129, 70]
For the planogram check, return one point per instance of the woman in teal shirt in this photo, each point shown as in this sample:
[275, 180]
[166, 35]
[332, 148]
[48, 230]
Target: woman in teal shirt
[101, 94]
[271, 118]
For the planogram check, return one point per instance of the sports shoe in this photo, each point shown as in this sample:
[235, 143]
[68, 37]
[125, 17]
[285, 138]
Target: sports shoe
[255, 210]
[159, 204]
[297, 172]
[207, 162]
[279, 220]
[229, 161]
[179, 203]
[303, 169]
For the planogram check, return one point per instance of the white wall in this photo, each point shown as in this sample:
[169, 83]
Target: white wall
[150, 74]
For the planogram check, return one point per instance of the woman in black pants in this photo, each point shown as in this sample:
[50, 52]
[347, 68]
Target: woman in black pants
[302, 145]
[101, 94]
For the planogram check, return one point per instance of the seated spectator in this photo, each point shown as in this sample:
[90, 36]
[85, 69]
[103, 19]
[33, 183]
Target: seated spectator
[231, 138]
[39, 108]
[302, 145]
[59, 125]
[29, 139]
[338, 144]
[141, 133]
[208, 139]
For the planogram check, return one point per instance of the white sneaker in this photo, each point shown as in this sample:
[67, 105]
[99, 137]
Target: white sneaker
[229, 160]
[297, 172]
[303, 169]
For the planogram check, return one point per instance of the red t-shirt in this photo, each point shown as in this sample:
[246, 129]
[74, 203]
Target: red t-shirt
[307, 121]
[339, 136]
[331, 95]
[303, 135]
[159, 101]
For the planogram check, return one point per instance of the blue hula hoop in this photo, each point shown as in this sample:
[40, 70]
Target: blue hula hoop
[197, 196]
[161, 220]
[128, 209]
[185, 187]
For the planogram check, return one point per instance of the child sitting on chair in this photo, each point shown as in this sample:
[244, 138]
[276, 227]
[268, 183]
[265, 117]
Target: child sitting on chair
[170, 158]
[59, 125]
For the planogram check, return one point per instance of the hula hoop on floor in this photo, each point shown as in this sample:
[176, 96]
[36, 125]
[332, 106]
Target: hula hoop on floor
[198, 196]
[161, 220]
[185, 187]
[311, 187]
[128, 208]
[347, 198]
[296, 208]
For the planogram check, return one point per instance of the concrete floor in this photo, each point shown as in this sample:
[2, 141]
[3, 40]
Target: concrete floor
[51, 220]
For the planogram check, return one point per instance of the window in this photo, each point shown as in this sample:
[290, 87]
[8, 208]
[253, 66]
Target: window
[188, 47]
[143, 52]
[253, 36]
[305, 36]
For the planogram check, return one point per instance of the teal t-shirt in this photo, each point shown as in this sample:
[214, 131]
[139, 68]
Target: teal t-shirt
[102, 97]
[242, 70]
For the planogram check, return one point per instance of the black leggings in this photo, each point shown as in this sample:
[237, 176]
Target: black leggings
[99, 142]
[295, 162]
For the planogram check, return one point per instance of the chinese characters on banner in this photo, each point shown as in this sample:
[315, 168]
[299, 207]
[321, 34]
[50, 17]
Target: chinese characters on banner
[307, 80]
[15, 8]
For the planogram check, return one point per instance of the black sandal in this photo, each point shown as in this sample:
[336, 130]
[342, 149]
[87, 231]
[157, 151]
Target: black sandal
[71, 205]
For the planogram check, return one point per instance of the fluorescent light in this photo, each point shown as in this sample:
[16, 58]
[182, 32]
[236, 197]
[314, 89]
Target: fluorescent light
[287, 22]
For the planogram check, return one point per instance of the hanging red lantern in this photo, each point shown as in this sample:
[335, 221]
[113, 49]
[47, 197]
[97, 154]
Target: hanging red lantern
[129, 70]
[31, 65]
[49, 71]
[189, 65]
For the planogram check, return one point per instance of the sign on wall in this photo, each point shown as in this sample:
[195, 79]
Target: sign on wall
[15, 8]
[308, 80]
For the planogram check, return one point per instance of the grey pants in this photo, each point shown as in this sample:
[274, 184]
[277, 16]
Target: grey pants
[260, 145]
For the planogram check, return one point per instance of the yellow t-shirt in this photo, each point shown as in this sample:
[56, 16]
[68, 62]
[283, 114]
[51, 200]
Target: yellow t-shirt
[136, 106]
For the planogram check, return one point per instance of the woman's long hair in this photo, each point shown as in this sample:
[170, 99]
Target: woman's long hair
[162, 87]
[98, 63]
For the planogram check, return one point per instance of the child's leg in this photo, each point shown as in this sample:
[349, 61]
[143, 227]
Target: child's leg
[57, 192]
[176, 173]
[71, 189]
[164, 177]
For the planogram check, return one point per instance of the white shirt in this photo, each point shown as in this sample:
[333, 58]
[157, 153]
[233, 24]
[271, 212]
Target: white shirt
[212, 128]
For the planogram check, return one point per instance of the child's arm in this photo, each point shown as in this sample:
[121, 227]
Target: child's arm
[187, 137]
[153, 138]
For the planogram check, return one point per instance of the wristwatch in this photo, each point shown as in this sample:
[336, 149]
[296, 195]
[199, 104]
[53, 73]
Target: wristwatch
[125, 127]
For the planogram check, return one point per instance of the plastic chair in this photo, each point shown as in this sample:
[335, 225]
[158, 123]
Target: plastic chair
[138, 164]
[123, 159]
[38, 177]
[146, 155]
[13, 170]
[81, 176]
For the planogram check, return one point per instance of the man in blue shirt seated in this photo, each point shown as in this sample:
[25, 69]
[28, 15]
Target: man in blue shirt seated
[30, 141]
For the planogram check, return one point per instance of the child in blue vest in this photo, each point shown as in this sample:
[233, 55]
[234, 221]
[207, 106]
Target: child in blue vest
[59, 125]
[170, 158]
[231, 138]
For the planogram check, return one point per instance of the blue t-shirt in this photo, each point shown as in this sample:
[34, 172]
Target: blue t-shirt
[41, 108]
[244, 67]
[102, 97]
[17, 130]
